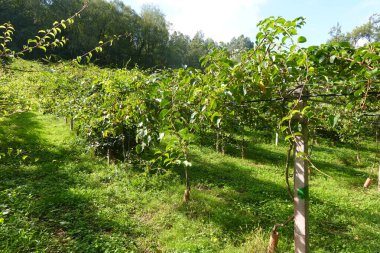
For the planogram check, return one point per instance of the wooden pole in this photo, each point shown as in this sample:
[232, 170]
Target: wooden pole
[276, 137]
[108, 156]
[378, 180]
[301, 187]
[377, 150]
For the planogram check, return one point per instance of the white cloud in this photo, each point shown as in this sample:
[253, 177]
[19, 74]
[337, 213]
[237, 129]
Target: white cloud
[218, 19]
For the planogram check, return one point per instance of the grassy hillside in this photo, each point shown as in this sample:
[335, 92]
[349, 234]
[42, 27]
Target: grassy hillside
[55, 197]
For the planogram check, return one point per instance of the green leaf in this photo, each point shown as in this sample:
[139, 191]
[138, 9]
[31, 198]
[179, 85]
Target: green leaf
[288, 137]
[163, 113]
[43, 48]
[283, 40]
[358, 93]
[301, 39]
[331, 120]
[164, 102]
[139, 149]
[32, 41]
[301, 154]
[216, 114]
[293, 31]
[259, 36]
[349, 106]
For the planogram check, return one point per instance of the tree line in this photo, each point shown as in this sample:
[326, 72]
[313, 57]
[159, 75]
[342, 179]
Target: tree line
[147, 41]
[365, 33]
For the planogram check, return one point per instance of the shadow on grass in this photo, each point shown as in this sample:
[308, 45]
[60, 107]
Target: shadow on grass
[43, 211]
[46, 213]
[332, 226]
[243, 201]
[252, 150]
[342, 165]
[265, 156]
[349, 171]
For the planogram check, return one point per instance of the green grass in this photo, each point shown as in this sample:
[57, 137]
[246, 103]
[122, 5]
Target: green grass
[54, 197]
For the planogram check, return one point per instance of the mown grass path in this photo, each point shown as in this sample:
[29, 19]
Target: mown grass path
[54, 197]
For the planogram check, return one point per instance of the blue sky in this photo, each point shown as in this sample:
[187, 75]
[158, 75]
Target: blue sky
[223, 19]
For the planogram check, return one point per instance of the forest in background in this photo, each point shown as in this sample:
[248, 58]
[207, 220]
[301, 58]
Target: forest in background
[147, 43]
[148, 40]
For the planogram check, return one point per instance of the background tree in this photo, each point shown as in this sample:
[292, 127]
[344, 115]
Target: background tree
[365, 33]
[178, 47]
[337, 35]
[237, 46]
[154, 36]
[147, 43]
[197, 48]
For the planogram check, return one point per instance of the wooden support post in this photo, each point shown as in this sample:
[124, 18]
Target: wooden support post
[108, 156]
[123, 146]
[378, 181]
[276, 137]
[378, 155]
[243, 148]
[217, 142]
[301, 187]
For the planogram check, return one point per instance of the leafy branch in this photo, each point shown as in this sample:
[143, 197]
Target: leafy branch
[88, 55]
[47, 39]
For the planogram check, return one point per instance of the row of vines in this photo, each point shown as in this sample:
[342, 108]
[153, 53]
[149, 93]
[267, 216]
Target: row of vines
[153, 118]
